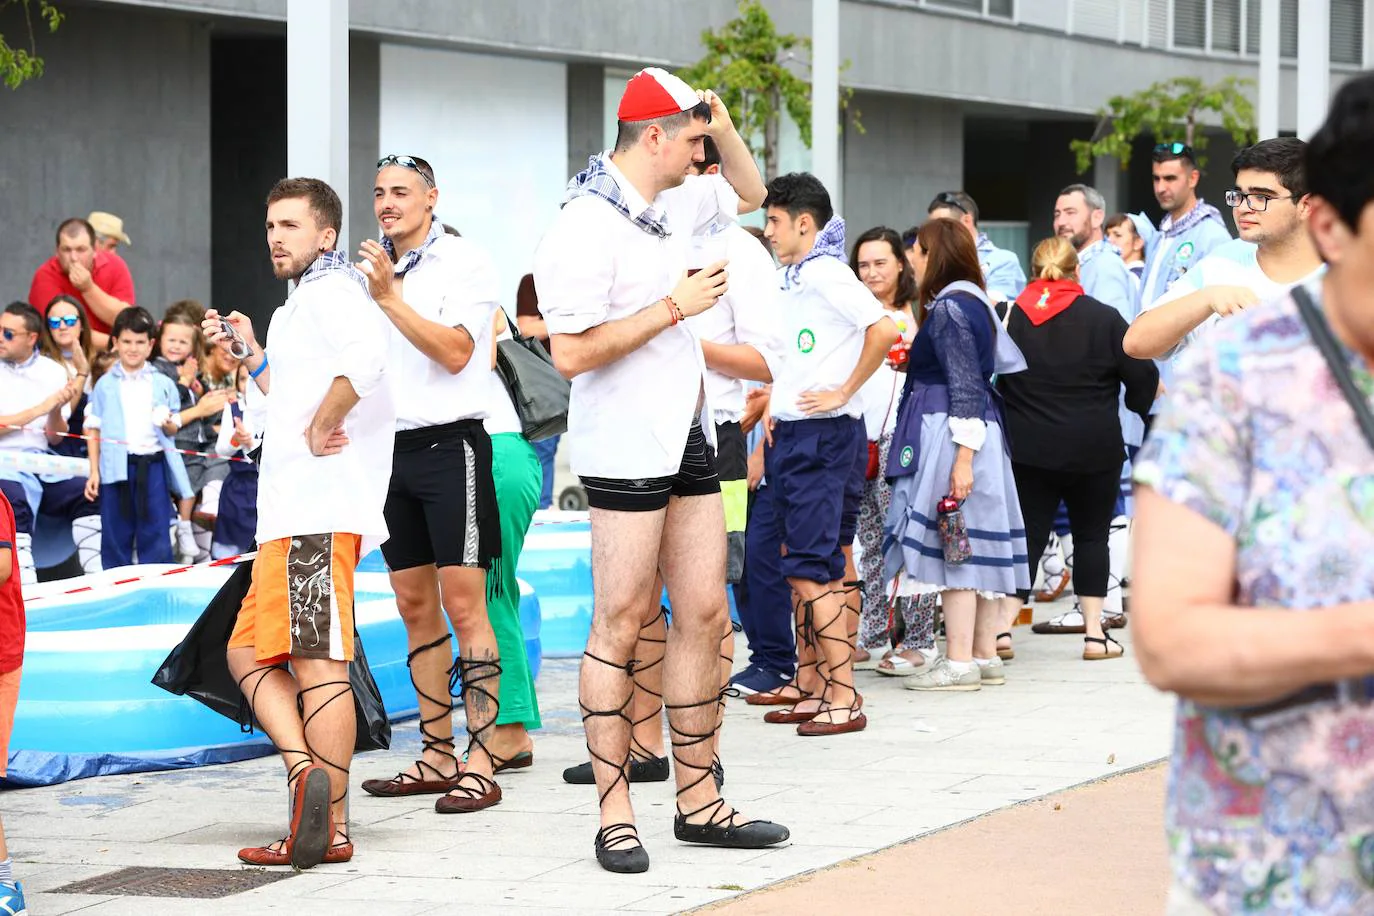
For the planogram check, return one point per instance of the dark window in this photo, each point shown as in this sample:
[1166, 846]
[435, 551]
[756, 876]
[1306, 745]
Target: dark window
[1347, 31]
[1190, 23]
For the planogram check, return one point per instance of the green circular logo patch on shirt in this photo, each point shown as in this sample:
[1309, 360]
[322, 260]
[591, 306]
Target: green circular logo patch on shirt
[1185, 252]
[806, 340]
[907, 456]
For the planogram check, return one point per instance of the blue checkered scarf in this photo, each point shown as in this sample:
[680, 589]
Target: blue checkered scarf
[333, 262]
[595, 181]
[830, 242]
[412, 257]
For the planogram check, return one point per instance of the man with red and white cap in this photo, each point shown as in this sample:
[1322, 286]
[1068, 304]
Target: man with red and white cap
[613, 270]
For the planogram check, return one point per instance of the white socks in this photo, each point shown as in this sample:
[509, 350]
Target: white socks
[1118, 556]
[23, 552]
[86, 534]
[186, 541]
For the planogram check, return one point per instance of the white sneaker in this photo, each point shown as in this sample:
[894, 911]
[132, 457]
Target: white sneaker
[186, 542]
[991, 672]
[942, 676]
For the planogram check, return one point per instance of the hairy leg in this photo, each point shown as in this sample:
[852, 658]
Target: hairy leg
[625, 548]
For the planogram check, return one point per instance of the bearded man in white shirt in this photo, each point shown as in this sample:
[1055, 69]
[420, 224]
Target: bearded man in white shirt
[439, 293]
[326, 460]
[613, 271]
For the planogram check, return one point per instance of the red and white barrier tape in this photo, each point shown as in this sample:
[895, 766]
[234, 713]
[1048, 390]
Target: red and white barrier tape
[226, 561]
[181, 451]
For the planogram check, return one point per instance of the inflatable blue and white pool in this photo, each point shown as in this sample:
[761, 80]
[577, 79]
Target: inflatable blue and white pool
[87, 706]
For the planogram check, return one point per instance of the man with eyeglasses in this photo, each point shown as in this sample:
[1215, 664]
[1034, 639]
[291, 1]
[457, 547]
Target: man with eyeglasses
[1274, 252]
[1191, 227]
[34, 394]
[440, 294]
[1001, 268]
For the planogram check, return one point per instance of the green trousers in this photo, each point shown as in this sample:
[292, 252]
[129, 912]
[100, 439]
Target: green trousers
[518, 476]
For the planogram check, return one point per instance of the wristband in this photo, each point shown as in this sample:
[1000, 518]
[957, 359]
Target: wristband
[674, 312]
[261, 366]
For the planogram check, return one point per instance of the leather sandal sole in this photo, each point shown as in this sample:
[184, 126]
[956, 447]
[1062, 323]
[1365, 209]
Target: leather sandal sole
[311, 827]
[814, 729]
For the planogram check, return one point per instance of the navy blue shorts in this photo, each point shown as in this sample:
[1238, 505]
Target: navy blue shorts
[811, 470]
[854, 489]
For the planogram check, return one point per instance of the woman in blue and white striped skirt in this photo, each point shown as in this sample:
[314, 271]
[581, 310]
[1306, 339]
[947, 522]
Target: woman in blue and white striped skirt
[948, 441]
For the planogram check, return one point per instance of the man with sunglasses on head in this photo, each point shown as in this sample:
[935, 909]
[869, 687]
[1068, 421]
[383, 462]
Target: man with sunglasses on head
[1269, 204]
[1001, 268]
[1191, 227]
[439, 292]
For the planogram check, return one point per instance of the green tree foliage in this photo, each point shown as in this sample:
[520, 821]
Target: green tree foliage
[1170, 111]
[751, 66]
[20, 62]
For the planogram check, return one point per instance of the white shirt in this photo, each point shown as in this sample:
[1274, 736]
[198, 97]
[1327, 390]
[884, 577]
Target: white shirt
[1233, 263]
[136, 400]
[26, 385]
[454, 284]
[881, 394]
[747, 314]
[825, 316]
[501, 415]
[629, 419]
[327, 328]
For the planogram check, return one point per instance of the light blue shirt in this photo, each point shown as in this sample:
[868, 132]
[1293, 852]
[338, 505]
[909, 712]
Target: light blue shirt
[1170, 256]
[1001, 269]
[1105, 277]
[107, 405]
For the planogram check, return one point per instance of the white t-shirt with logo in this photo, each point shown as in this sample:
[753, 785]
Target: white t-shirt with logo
[1234, 263]
[825, 316]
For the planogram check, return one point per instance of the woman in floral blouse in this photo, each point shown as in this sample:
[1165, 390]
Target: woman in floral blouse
[1254, 578]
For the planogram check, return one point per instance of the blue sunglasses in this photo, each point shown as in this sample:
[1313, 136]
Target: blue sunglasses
[65, 321]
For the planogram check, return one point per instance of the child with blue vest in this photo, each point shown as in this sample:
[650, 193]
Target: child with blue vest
[132, 415]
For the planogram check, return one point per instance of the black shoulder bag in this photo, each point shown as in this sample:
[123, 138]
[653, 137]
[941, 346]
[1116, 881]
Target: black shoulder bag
[539, 391]
[1335, 361]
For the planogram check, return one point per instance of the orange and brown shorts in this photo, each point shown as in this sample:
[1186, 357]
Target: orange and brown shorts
[300, 604]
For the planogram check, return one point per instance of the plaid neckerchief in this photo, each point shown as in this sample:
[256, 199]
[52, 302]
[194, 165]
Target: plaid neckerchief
[412, 257]
[830, 242]
[333, 262]
[595, 181]
[1202, 211]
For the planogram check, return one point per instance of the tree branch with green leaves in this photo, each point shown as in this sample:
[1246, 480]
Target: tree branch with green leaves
[1176, 110]
[752, 67]
[20, 62]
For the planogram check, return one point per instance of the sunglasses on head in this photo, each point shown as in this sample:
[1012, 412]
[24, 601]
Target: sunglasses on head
[65, 321]
[408, 162]
[1165, 151]
[948, 199]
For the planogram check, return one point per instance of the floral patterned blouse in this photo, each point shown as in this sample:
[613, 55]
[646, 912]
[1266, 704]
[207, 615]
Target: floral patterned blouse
[1272, 813]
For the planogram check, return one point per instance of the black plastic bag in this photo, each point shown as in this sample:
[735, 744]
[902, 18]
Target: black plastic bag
[199, 669]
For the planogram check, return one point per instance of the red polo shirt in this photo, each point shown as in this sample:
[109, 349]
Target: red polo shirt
[110, 274]
[11, 597]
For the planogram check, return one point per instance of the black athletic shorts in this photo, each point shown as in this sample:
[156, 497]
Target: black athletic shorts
[696, 476]
[732, 452]
[441, 505]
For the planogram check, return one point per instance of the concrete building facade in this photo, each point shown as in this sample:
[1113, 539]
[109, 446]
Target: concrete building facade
[172, 113]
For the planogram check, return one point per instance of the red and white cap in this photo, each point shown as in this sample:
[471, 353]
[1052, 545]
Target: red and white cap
[655, 93]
